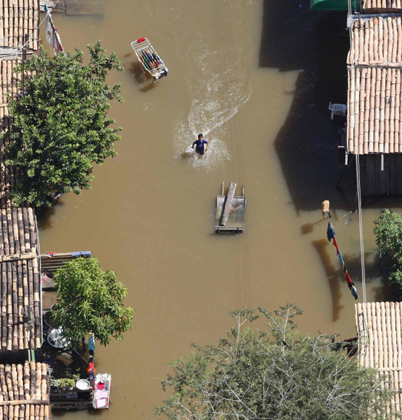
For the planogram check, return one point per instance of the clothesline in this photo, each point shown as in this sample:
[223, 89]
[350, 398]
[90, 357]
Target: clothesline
[331, 235]
[52, 36]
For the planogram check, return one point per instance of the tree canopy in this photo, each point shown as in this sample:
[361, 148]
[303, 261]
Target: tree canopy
[276, 373]
[60, 123]
[388, 231]
[90, 300]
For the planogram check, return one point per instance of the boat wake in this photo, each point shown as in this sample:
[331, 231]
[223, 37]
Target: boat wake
[218, 96]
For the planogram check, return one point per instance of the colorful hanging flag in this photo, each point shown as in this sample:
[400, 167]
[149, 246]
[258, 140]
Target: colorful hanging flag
[336, 246]
[52, 37]
[331, 235]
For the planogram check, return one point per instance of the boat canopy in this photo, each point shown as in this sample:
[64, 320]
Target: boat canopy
[334, 5]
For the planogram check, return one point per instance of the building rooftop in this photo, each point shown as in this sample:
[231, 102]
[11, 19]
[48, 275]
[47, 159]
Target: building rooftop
[381, 6]
[20, 287]
[25, 391]
[379, 329]
[19, 21]
[374, 86]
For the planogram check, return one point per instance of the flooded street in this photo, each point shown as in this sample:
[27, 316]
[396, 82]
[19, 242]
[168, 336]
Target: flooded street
[255, 78]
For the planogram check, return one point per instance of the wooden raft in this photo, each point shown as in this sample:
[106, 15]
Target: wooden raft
[53, 261]
[230, 210]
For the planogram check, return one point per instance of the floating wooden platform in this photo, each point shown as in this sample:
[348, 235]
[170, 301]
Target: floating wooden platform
[73, 7]
[53, 261]
[74, 399]
[230, 210]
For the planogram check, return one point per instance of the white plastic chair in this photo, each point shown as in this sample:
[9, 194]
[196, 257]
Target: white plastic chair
[337, 109]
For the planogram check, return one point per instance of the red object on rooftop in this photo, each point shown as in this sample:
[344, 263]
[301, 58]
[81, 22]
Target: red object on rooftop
[141, 40]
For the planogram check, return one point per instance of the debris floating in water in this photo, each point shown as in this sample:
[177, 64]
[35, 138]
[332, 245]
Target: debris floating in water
[149, 58]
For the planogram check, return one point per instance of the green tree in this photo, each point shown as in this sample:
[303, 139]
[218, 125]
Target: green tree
[272, 374]
[60, 123]
[90, 300]
[388, 231]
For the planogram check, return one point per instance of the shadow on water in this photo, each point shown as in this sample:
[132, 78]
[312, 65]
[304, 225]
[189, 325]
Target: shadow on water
[143, 81]
[44, 216]
[187, 155]
[287, 35]
[293, 38]
[374, 267]
[334, 276]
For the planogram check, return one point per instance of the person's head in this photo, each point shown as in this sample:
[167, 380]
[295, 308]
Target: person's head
[200, 136]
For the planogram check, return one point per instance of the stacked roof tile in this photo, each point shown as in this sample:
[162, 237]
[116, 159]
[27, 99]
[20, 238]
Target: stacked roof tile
[375, 6]
[20, 289]
[24, 391]
[19, 21]
[374, 86]
[379, 328]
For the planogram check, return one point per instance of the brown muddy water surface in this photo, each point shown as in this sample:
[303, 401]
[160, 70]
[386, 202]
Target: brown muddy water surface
[255, 77]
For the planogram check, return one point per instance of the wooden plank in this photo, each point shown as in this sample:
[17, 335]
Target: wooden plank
[53, 6]
[18, 257]
[229, 228]
[73, 7]
[84, 7]
[228, 202]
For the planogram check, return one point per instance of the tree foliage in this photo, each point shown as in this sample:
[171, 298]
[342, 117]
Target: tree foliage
[388, 231]
[272, 374]
[90, 300]
[60, 123]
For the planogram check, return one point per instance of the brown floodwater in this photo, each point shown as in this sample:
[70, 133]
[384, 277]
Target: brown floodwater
[255, 77]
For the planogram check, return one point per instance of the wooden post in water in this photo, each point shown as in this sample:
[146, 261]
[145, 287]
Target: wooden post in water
[228, 202]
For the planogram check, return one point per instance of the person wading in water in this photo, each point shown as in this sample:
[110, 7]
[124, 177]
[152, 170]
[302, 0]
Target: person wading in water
[201, 145]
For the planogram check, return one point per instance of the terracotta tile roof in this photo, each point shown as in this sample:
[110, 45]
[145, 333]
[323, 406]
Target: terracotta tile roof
[19, 18]
[374, 86]
[370, 6]
[20, 288]
[25, 391]
[8, 85]
[379, 329]
[20, 292]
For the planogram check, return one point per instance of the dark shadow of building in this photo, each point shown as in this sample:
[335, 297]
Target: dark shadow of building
[316, 44]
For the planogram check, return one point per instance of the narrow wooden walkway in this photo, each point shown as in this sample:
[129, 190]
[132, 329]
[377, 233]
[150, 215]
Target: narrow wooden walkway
[52, 261]
[73, 7]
